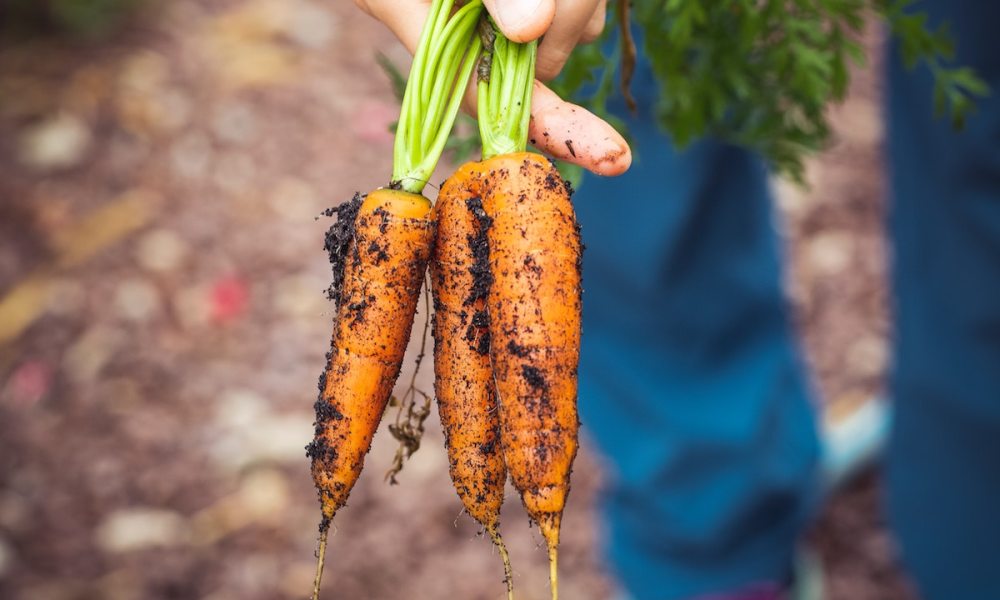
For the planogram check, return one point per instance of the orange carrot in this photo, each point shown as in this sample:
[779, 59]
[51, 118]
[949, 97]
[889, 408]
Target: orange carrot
[380, 251]
[383, 267]
[534, 305]
[535, 296]
[463, 384]
[380, 248]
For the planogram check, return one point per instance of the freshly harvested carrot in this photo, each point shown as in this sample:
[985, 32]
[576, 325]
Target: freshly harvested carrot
[534, 299]
[523, 224]
[463, 383]
[380, 252]
[535, 307]
[383, 262]
[380, 248]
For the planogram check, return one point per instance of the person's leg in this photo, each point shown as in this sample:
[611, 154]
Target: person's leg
[690, 381]
[944, 455]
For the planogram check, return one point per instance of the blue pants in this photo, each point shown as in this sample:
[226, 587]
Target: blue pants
[944, 456]
[691, 381]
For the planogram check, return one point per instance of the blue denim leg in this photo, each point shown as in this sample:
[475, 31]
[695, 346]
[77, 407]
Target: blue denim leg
[944, 458]
[690, 382]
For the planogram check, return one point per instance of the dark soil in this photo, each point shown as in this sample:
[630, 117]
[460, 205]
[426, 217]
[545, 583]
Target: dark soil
[338, 241]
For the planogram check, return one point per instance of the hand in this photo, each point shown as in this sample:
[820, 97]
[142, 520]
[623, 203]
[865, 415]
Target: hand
[558, 128]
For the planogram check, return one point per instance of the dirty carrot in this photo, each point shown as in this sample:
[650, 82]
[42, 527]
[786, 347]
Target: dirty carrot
[379, 248]
[463, 383]
[534, 300]
[383, 255]
[534, 306]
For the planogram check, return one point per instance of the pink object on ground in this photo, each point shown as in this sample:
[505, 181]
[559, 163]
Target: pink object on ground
[230, 297]
[29, 383]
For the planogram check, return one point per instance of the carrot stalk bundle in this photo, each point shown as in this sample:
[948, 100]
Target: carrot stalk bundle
[445, 56]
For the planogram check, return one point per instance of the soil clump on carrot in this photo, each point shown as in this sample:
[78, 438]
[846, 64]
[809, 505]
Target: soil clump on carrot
[338, 241]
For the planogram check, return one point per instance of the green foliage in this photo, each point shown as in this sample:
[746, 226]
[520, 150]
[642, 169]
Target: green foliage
[954, 87]
[761, 73]
[396, 77]
[88, 18]
[445, 59]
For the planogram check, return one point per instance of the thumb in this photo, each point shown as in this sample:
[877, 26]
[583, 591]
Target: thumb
[522, 20]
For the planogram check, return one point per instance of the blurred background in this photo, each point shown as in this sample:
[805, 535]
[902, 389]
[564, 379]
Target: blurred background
[163, 166]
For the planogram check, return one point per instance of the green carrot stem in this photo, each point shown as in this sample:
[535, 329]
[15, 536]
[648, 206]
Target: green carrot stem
[527, 90]
[402, 146]
[448, 38]
[451, 113]
[448, 64]
[504, 96]
[497, 73]
[441, 67]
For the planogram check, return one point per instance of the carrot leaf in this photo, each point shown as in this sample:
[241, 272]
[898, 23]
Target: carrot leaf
[760, 73]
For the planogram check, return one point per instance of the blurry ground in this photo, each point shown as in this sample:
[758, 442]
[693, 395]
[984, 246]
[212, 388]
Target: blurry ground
[162, 322]
[837, 280]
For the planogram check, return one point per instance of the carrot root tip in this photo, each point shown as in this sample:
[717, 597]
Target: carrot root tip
[320, 557]
[554, 571]
[508, 571]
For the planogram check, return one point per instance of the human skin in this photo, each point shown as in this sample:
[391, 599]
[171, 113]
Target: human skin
[596, 147]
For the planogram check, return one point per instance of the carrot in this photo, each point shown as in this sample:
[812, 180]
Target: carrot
[463, 384]
[381, 257]
[534, 300]
[380, 247]
[383, 266]
[534, 306]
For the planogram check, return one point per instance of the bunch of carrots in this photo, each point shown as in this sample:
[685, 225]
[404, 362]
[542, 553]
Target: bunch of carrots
[503, 249]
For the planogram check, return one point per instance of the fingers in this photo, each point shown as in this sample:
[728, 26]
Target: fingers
[564, 24]
[522, 20]
[596, 24]
[574, 134]
[569, 132]
[571, 20]
[558, 128]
